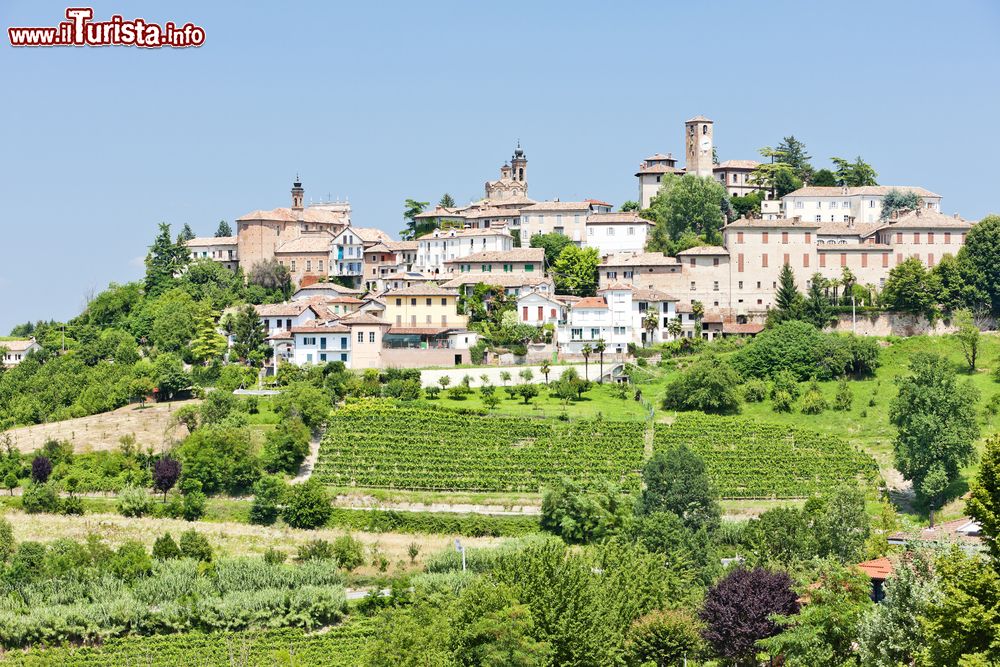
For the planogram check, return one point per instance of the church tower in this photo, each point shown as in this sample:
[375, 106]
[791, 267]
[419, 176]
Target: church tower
[519, 165]
[698, 144]
[298, 194]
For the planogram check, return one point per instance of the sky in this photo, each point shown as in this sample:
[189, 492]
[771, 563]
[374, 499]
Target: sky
[382, 101]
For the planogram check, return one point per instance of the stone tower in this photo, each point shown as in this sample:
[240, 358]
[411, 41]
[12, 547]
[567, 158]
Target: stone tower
[298, 194]
[519, 166]
[698, 145]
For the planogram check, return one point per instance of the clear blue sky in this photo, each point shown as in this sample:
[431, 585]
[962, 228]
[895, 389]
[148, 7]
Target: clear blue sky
[380, 101]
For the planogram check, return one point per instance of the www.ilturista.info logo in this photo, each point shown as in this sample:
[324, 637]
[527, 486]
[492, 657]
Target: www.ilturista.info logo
[80, 30]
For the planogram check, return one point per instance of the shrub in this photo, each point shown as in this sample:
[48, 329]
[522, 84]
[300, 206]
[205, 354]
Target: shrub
[41, 468]
[7, 543]
[131, 561]
[134, 501]
[164, 548]
[795, 346]
[267, 495]
[432, 391]
[709, 385]
[663, 638]
[787, 382]
[286, 446]
[782, 401]
[315, 550]
[307, 505]
[844, 397]
[754, 391]
[274, 557]
[813, 402]
[195, 545]
[73, 506]
[193, 505]
[459, 392]
[348, 552]
[40, 498]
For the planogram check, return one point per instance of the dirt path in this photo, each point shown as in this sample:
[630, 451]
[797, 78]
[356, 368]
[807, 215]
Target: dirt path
[151, 425]
[306, 469]
[369, 503]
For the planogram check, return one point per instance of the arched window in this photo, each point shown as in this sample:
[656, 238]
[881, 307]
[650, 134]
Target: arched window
[704, 129]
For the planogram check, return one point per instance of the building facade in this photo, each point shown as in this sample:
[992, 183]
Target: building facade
[617, 232]
[443, 245]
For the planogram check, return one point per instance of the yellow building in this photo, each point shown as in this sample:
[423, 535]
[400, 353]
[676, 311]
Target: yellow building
[423, 306]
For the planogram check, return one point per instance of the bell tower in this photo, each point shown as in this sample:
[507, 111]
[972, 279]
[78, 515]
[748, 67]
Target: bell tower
[519, 166]
[698, 146]
[298, 194]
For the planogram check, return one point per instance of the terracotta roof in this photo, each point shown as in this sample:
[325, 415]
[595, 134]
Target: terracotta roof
[500, 279]
[415, 331]
[280, 335]
[557, 206]
[548, 296]
[410, 275]
[848, 229]
[206, 241]
[783, 223]
[646, 294]
[314, 243]
[704, 250]
[880, 568]
[927, 218]
[515, 255]
[421, 290]
[18, 345]
[461, 233]
[736, 164]
[321, 326]
[661, 156]
[748, 328]
[852, 247]
[367, 234]
[440, 212]
[712, 318]
[321, 300]
[638, 259]
[684, 307]
[698, 119]
[336, 287]
[362, 317]
[591, 302]
[869, 190]
[293, 309]
[616, 286]
[628, 218]
[597, 202]
[309, 214]
[492, 212]
[658, 169]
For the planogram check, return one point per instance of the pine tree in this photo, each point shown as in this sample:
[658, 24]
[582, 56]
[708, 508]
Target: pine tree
[164, 262]
[816, 308]
[248, 336]
[447, 201]
[223, 230]
[186, 234]
[788, 301]
[207, 344]
[984, 505]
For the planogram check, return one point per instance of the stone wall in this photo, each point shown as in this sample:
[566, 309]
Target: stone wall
[891, 324]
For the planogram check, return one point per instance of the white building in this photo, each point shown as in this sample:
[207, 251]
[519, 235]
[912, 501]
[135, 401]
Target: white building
[441, 245]
[317, 342]
[347, 250]
[735, 176]
[538, 308]
[281, 317]
[838, 204]
[14, 351]
[559, 217]
[617, 232]
[617, 316]
[221, 249]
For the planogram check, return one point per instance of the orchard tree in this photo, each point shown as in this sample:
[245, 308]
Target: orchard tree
[968, 337]
[935, 415]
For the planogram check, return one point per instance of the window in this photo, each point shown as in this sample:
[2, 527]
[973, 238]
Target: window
[808, 237]
[361, 336]
[399, 302]
[885, 260]
[739, 237]
[805, 260]
[692, 286]
[619, 331]
[864, 260]
[413, 301]
[590, 231]
[611, 231]
[322, 343]
[322, 357]
[692, 261]
[930, 237]
[428, 320]
[799, 204]
[819, 218]
[612, 274]
[528, 268]
[321, 268]
[739, 262]
[267, 323]
[444, 301]
[371, 336]
[343, 342]
[627, 274]
[631, 231]
[576, 334]
[309, 265]
[916, 238]
[595, 333]
[899, 237]
[740, 284]
[947, 237]
[343, 357]
[843, 259]
[715, 286]
[763, 261]
[763, 237]
[715, 261]
[785, 259]
[293, 266]
[833, 204]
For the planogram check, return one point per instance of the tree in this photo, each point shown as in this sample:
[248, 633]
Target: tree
[307, 505]
[527, 392]
[248, 337]
[708, 384]
[447, 201]
[286, 446]
[676, 481]
[776, 177]
[414, 230]
[208, 344]
[164, 548]
[954, 290]
[575, 270]
[844, 398]
[782, 535]
[968, 337]
[553, 244]
[169, 374]
[787, 300]
[823, 178]
[738, 610]
[936, 420]
[599, 347]
[650, 323]
[686, 203]
[822, 634]
[890, 633]
[911, 289]
[698, 313]
[629, 205]
[853, 174]
[166, 472]
[165, 261]
[897, 200]
[268, 493]
[816, 309]
[674, 327]
[663, 638]
[840, 523]
[186, 234]
[980, 258]
[223, 230]
[545, 368]
[581, 514]
[747, 206]
[792, 152]
[586, 351]
[984, 503]
[41, 468]
[272, 275]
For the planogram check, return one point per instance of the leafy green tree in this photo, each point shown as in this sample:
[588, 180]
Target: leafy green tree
[164, 262]
[664, 637]
[220, 459]
[954, 291]
[984, 503]
[709, 384]
[268, 493]
[207, 344]
[781, 536]
[307, 505]
[629, 205]
[581, 514]
[223, 229]
[553, 244]
[980, 258]
[248, 337]
[844, 398]
[897, 200]
[447, 201]
[286, 446]
[823, 178]
[822, 634]
[776, 177]
[747, 206]
[272, 276]
[414, 230]
[169, 373]
[186, 234]
[911, 289]
[816, 308]
[494, 629]
[575, 270]
[676, 481]
[687, 203]
[131, 561]
[840, 523]
[853, 174]
[935, 415]
[968, 337]
[890, 633]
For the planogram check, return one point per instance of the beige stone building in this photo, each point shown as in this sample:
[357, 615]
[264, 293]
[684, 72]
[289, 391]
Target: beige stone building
[516, 260]
[651, 173]
[559, 217]
[307, 255]
[385, 259]
[422, 306]
[260, 234]
[734, 176]
[221, 249]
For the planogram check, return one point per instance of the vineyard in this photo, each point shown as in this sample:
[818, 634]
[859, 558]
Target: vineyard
[374, 444]
[748, 459]
[341, 646]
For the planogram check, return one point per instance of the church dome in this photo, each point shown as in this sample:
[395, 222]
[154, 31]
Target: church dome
[518, 152]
